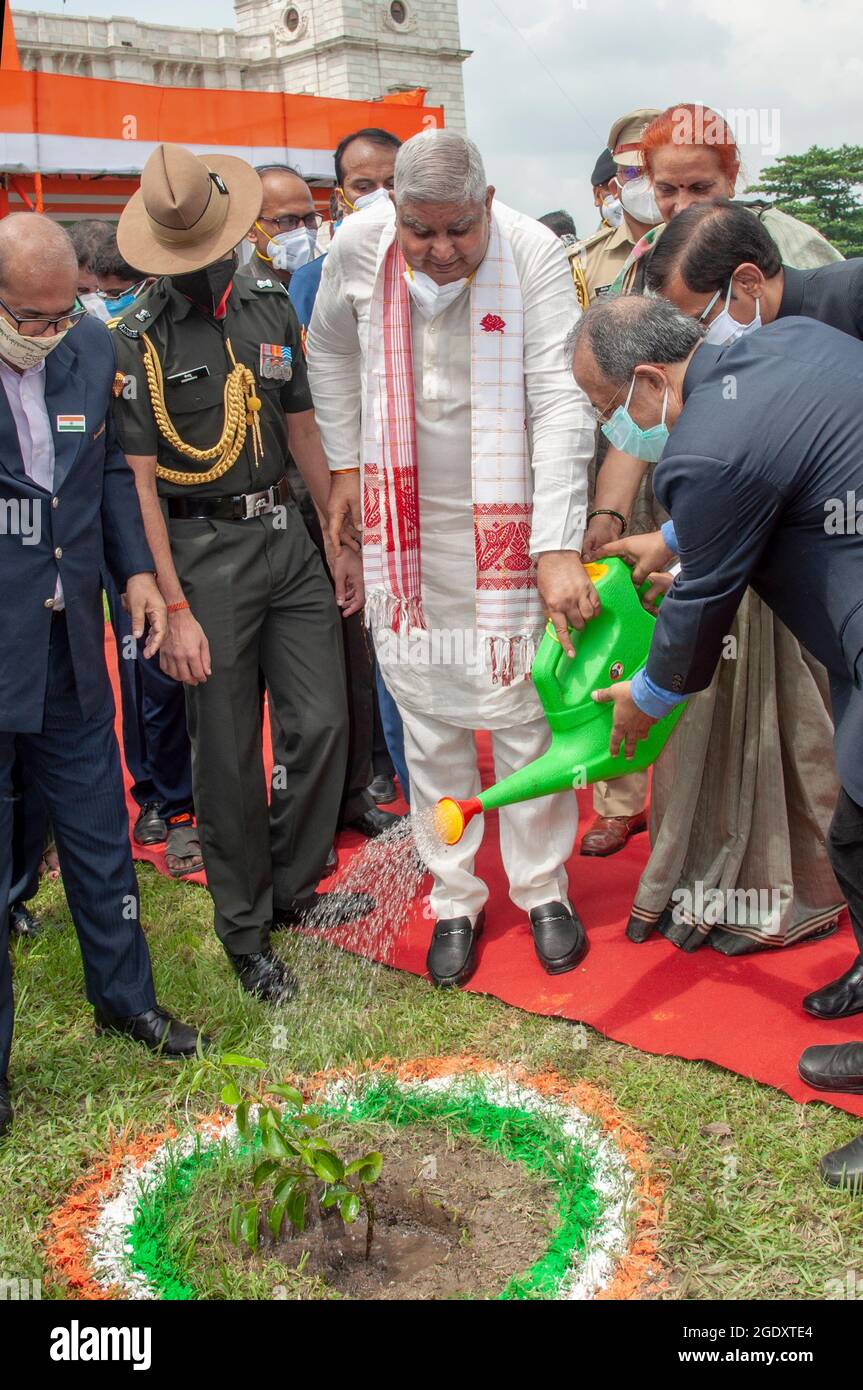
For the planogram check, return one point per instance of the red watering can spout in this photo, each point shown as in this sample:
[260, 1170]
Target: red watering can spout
[451, 818]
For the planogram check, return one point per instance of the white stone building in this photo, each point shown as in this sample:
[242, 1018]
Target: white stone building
[355, 49]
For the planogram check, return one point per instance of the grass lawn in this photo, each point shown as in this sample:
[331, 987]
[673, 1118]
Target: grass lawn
[747, 1216]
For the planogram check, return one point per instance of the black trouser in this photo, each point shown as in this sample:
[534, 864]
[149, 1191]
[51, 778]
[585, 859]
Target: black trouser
[76, 765]
[359, 669]
[259, 591]
[845, 847]
[29, 832]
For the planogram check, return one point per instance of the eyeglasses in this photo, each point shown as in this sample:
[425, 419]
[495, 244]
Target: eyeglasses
[602, 414]
[702, 317]
[37, 328]
[312, 223]
[118, 294]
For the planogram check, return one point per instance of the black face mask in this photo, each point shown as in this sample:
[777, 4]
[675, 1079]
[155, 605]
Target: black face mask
[206, 287]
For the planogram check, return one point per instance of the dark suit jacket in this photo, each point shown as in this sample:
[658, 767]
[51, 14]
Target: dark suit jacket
[830, 293]
[757, 474]
[92, 516]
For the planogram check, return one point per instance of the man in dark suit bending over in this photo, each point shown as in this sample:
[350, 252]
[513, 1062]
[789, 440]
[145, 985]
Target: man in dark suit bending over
[764, 449]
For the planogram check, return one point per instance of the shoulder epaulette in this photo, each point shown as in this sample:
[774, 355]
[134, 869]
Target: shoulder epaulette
[140, 317]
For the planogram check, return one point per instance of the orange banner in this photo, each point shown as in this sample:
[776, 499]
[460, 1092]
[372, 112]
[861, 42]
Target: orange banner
[50, 104]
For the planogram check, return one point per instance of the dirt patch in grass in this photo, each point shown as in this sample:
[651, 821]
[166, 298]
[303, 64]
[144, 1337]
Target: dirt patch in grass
[452, 1220]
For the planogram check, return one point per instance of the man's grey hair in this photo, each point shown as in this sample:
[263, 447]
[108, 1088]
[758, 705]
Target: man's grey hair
[440, 166]
[625, 333]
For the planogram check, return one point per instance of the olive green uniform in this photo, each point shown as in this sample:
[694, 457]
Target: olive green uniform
[258, 588]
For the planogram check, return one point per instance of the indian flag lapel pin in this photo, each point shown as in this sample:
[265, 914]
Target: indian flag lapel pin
[71, 424]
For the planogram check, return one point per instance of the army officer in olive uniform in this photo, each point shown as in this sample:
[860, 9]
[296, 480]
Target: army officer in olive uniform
[211, 392]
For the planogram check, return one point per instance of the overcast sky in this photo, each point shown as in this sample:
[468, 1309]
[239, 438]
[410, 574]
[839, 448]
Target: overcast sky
[548, 77]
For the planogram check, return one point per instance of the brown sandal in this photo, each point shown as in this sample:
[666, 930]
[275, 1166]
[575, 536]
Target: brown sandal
[183, 844]
[49, 864]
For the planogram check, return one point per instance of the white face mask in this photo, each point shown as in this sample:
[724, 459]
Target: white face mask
[612, 211]
[289, 250]
[95, 306]
[377, 195]
[638, 200]
[724, 328]
[25, 352]
[430, 298]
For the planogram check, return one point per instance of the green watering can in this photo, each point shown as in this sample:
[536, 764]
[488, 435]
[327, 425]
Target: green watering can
[610, 648]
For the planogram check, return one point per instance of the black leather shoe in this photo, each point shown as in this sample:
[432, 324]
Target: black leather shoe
[451, 958]
[324, 910]
[374, 822]
[558, 936]
[840, 999]
[150, 829]
[844, 1167]
[157, 1030]
[382, 789]
[23, 924]
[5, 1108]
[836, 1068]
[262, 974]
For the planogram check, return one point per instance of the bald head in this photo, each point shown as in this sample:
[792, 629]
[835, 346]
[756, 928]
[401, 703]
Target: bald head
[33, 243]
[287, 196]
[285, 183]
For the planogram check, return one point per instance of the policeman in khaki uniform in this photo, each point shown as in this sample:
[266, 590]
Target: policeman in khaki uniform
[211, 392]
[597, 259]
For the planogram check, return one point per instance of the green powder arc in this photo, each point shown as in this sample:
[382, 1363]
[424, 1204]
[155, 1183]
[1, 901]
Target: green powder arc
[534, 1138]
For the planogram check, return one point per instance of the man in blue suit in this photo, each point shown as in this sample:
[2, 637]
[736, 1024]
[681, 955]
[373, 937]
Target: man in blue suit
[761, 445]
[68, 516]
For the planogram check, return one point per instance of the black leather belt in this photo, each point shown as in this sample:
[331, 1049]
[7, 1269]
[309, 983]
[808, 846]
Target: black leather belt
[243, 508]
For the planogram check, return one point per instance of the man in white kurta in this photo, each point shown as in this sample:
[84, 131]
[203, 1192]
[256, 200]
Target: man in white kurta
[438, 674]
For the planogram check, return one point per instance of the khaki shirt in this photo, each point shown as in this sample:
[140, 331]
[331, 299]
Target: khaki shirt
[192, 349]
[601, 257]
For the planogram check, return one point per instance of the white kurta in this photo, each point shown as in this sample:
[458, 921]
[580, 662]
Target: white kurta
[447, 684]
[446, 694]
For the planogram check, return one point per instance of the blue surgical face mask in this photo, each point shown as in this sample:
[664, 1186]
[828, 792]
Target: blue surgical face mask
[724, 329]
[630, 438]
[121, 303]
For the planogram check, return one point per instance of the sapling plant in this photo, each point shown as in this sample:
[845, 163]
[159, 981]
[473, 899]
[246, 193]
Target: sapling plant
[298, 1164]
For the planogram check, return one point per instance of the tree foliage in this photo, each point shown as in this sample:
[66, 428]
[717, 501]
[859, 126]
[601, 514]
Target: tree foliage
[821, 187]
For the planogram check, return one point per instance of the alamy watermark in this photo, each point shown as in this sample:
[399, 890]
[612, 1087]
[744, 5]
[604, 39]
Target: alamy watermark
[756, 126]
[21, 517]
[742, 907]
[437, 646]
[20, 1290]
[843, 516]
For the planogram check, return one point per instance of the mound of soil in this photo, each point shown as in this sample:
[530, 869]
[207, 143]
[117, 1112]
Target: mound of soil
[452, 1220]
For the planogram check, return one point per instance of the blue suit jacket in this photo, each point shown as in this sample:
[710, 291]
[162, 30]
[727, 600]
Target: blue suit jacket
[303, 289]
[92, 516]
[757, 474]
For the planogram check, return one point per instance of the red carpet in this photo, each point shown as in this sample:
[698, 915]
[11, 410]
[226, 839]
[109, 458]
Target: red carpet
[743, 1014]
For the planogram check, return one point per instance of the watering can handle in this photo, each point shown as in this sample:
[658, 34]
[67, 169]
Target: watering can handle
[546, 667]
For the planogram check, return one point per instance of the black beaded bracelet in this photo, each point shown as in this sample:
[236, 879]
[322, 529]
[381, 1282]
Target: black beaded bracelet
[608, 511]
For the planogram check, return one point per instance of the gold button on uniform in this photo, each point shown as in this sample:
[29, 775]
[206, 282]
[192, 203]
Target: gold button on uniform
[49, 603]
[55, 502]
[58, 553]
